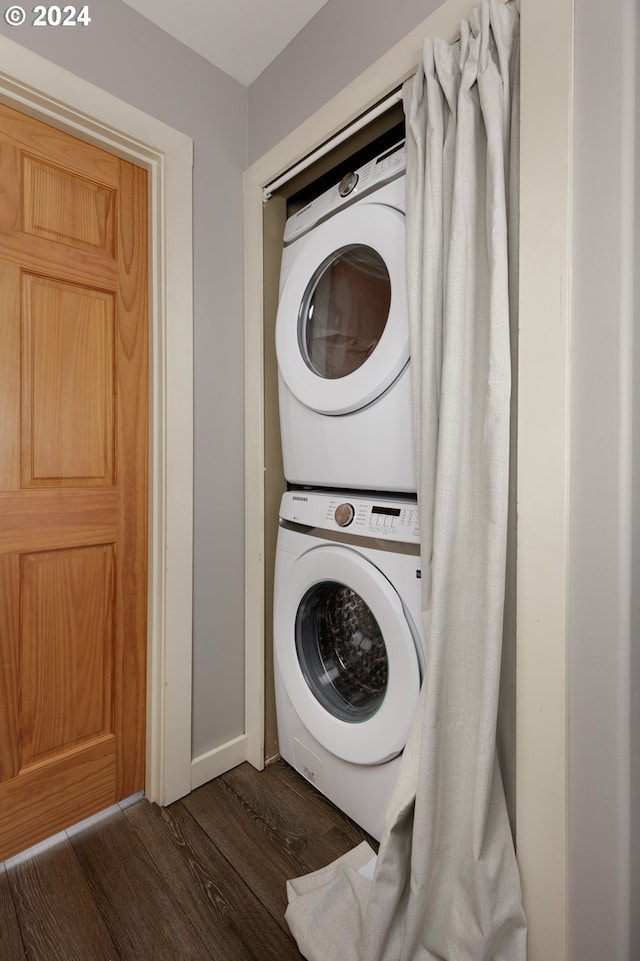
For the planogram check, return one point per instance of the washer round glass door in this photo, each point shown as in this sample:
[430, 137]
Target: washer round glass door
[341, 651]
[342, 332]
[346, 654]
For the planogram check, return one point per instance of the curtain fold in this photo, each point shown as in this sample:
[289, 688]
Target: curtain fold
[446, 884]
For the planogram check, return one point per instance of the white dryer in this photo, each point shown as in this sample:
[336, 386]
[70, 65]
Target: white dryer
[348, 644]
[342, 336]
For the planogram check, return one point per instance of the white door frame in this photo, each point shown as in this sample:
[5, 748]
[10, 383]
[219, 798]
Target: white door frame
[47, 92]
[543, 425]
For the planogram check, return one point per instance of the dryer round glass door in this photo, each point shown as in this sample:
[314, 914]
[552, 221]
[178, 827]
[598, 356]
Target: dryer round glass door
[346, 654]
[344, 311]
[342, 331]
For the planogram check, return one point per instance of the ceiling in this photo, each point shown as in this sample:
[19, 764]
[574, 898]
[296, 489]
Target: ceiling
[241, 37]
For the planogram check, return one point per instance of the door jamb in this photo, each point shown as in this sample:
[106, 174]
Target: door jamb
[47, 92]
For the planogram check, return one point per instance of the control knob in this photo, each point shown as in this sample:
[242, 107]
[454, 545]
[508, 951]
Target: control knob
[344, 514]
[347, 184]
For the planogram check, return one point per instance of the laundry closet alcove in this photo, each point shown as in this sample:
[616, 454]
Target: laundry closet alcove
[541, 590]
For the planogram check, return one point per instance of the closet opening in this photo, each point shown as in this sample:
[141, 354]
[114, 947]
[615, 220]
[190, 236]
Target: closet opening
[381, 134]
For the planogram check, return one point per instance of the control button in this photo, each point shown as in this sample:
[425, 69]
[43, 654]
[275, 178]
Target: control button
[347, 184]
[344, 514]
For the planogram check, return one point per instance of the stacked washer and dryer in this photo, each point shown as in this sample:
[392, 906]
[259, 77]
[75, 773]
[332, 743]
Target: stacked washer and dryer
[348, 644]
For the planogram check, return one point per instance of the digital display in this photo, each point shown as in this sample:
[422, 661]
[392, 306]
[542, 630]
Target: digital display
[389, 511]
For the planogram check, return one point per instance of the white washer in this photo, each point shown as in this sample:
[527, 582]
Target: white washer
[348, 644]
[342, 336]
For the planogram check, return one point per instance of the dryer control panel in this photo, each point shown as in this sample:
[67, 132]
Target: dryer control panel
[393, 519]
[382, 169]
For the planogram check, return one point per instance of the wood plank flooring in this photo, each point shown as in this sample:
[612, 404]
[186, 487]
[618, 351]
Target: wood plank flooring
[201, 880]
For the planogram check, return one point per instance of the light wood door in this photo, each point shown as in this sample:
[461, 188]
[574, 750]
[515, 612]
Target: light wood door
[73, 479]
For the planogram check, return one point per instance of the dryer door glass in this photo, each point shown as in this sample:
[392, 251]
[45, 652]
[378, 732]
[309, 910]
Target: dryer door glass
[341, 651]
[344, 311]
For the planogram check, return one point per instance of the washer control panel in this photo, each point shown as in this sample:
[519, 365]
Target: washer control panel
[393, 519]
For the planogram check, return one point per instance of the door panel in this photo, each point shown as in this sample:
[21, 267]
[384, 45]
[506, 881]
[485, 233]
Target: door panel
[56, 794]
[10, 375]
[66, 650]
[67, 208]
[67, 384]
[73, 480]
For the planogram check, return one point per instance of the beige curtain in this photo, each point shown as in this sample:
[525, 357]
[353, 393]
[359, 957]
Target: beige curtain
[445, 885]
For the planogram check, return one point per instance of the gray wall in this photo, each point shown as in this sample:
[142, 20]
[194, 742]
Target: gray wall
[634, 846]
[604, 618]
[343, 39]
[126, 55]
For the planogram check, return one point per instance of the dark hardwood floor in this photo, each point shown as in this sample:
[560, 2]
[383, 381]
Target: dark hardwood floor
[201, 880]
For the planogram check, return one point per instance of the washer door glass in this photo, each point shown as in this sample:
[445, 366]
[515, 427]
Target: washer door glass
[344, 311]
[341, 651]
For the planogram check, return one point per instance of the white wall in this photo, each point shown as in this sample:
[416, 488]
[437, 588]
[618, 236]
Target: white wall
[603, 669]
[127, 56]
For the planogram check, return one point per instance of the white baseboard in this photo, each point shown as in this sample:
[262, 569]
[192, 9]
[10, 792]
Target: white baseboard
[216, 762]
